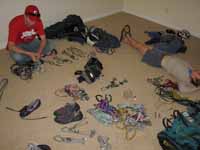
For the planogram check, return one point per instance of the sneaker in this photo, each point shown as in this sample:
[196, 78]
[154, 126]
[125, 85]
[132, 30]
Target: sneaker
[68, 118]
[68, 108]
[32, 146]
[26, 110]
[24, 71]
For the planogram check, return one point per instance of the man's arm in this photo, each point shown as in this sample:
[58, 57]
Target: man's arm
[43, 42]
[13, 47]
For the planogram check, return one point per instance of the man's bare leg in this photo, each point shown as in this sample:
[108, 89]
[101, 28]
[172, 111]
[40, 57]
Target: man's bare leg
[141, 47]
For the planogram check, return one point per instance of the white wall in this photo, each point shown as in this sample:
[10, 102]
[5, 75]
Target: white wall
[56, 10]
[178, 14]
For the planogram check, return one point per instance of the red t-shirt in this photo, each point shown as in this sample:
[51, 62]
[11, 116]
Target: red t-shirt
[19, 32]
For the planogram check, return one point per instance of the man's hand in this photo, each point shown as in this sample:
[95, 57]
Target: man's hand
[195, 78]
[38, 55]
[195, 75]
[34, 56]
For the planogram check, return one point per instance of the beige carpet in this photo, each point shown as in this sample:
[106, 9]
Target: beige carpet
[125, 63]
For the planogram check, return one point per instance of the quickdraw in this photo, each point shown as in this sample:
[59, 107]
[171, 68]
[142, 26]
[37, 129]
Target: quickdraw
[3, 85]
[58, 61]
[114, 83]
[74, 53]
[64, 52]
[69, 140]
[72, 90]
[110, 51]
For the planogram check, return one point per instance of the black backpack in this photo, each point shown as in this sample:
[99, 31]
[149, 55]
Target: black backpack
[72, 28]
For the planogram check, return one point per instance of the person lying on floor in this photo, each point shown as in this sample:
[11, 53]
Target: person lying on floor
[23, 44]
[179, 68]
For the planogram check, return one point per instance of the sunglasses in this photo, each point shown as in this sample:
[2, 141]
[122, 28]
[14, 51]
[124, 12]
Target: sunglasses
[35, 15]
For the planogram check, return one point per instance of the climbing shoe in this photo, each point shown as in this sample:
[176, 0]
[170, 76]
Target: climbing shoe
[27, 109]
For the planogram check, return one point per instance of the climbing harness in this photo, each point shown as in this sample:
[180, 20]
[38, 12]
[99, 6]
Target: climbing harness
[104, 105]
[171, 95]
[132, 117]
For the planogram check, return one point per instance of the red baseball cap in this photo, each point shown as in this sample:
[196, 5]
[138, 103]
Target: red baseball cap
[33, 12]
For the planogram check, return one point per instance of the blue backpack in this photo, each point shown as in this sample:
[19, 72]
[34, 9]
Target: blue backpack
[183, 133]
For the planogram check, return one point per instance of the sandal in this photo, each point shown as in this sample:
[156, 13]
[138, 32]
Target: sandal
[126, 31]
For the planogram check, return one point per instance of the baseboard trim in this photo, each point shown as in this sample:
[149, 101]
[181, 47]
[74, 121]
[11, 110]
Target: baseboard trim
[102, 15]
[2, 45]
[161, 23]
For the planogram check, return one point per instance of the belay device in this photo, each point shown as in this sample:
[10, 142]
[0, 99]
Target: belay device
[92, 71]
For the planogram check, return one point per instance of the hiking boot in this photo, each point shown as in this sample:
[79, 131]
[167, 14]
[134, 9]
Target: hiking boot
[68, 108]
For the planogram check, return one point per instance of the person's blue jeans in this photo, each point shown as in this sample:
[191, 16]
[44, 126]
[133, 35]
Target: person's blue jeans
[159, 41]
[31, 47]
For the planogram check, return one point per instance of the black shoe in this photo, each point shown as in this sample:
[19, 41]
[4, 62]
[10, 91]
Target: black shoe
[68, 118]
[44, 147]
[26, 110]
[24, 71]
[68, 108]
[32, 146]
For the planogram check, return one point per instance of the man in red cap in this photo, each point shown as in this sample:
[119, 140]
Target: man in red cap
[26, 39]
